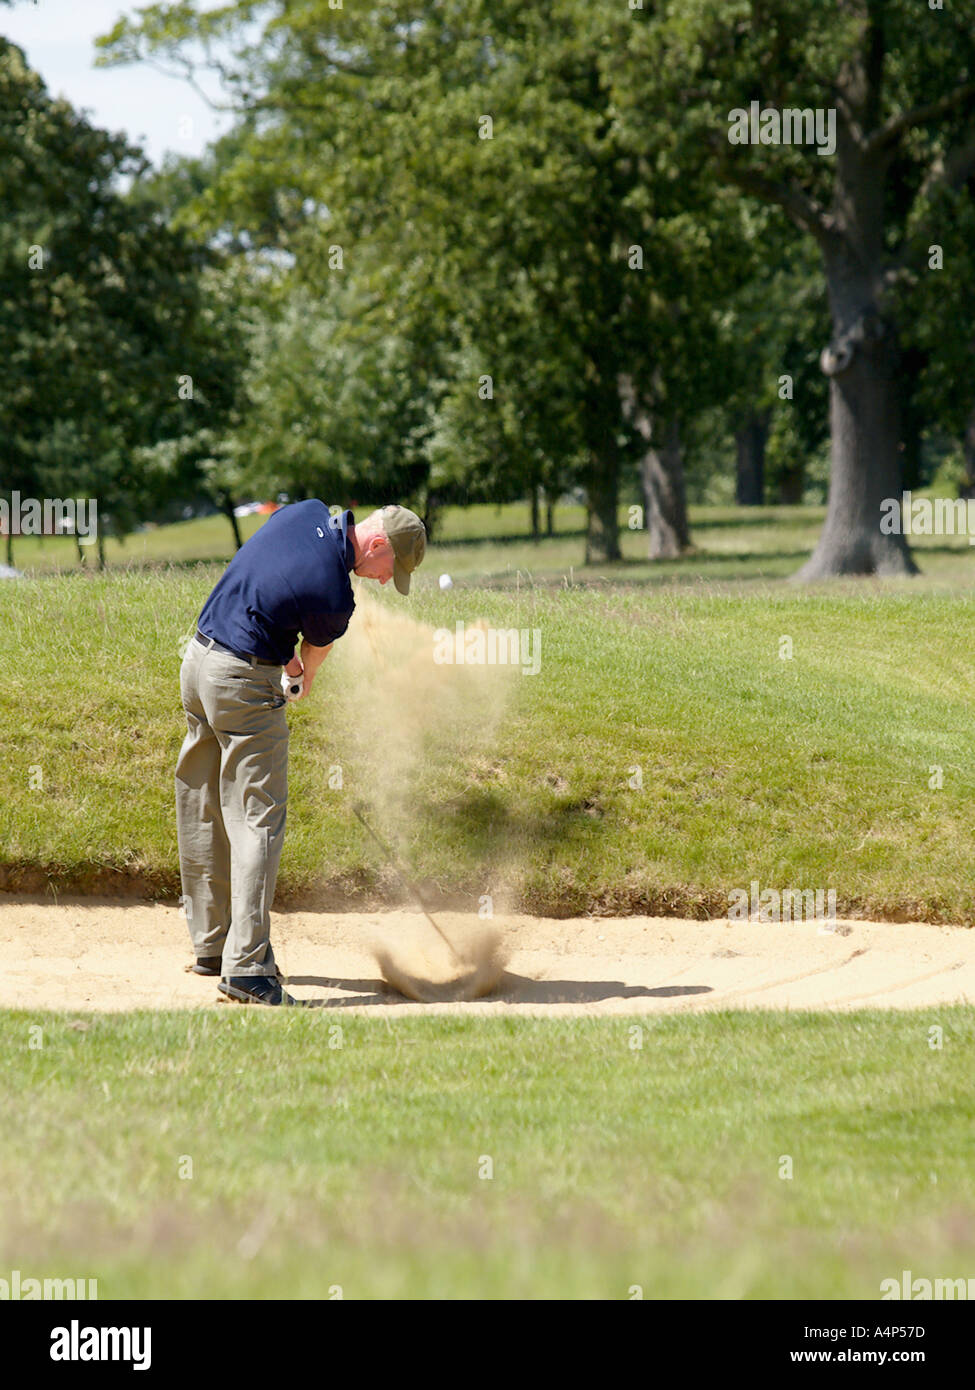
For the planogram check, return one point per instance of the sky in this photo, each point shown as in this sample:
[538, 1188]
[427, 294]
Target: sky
[158, 112]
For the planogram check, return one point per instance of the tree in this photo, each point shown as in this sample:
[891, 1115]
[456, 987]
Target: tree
[98, 305]
[334, 408]
[772, 327]
[937, 307]
[897, 79]
[473, 149]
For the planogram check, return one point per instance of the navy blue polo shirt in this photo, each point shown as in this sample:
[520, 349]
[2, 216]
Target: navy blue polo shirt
[291, 576]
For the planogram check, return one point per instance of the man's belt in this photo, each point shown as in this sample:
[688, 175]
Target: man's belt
[241, 656]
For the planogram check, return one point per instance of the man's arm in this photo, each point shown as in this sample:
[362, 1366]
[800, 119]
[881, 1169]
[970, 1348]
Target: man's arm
[307, 664]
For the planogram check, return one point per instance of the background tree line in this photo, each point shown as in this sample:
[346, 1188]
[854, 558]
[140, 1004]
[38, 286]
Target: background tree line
[464, 252]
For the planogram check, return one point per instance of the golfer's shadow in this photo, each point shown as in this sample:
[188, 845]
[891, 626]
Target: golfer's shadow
[513, 989]
[362, 992]
[520, 989]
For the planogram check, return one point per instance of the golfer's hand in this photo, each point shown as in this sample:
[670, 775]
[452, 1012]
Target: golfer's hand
[308, 663]
[295, 668]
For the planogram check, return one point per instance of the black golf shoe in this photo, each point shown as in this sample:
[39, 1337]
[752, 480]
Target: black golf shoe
[205, 965]
[255, 989]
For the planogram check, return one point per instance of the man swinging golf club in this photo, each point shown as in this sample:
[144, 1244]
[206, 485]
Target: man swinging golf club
[291, 577]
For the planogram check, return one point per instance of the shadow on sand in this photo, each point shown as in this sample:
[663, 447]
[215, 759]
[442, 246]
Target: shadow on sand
[514, 989]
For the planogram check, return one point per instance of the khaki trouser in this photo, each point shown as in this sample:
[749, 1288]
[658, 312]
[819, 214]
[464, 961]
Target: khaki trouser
[231, 804]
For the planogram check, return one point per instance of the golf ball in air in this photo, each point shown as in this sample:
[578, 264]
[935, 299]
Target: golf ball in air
[446, 582]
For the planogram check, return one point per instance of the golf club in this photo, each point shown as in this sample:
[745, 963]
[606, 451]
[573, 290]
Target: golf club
[406, 880]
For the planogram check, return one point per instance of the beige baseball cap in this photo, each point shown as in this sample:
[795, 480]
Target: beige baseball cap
[408, 537]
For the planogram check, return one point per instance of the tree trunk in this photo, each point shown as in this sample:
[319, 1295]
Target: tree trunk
[863, 367]
[791, 485]
[662, 477]
[750, 471]
[664, 496]
[866, 465]
[549, 513]
[432, 507]
[101, 549]
[602, 521]
[227, 507]
[967, 488]
[535, 516]
[912, 368]
[80, 549]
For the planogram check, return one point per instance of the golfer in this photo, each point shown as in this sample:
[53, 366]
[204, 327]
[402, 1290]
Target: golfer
[291, 577]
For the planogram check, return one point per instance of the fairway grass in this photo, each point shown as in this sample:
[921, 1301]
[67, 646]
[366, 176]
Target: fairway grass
[317, 1154]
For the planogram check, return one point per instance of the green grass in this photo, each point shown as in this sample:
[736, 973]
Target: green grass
[316, 1165]
[809, 772]
[210, 538]
[353, 1157]
[492, 545]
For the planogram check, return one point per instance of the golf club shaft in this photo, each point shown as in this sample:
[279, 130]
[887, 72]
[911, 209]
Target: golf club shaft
[407, 881]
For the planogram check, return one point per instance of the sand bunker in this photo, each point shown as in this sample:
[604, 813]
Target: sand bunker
[99, 954]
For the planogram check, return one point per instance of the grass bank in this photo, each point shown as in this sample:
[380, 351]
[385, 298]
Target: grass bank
[677, 743]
